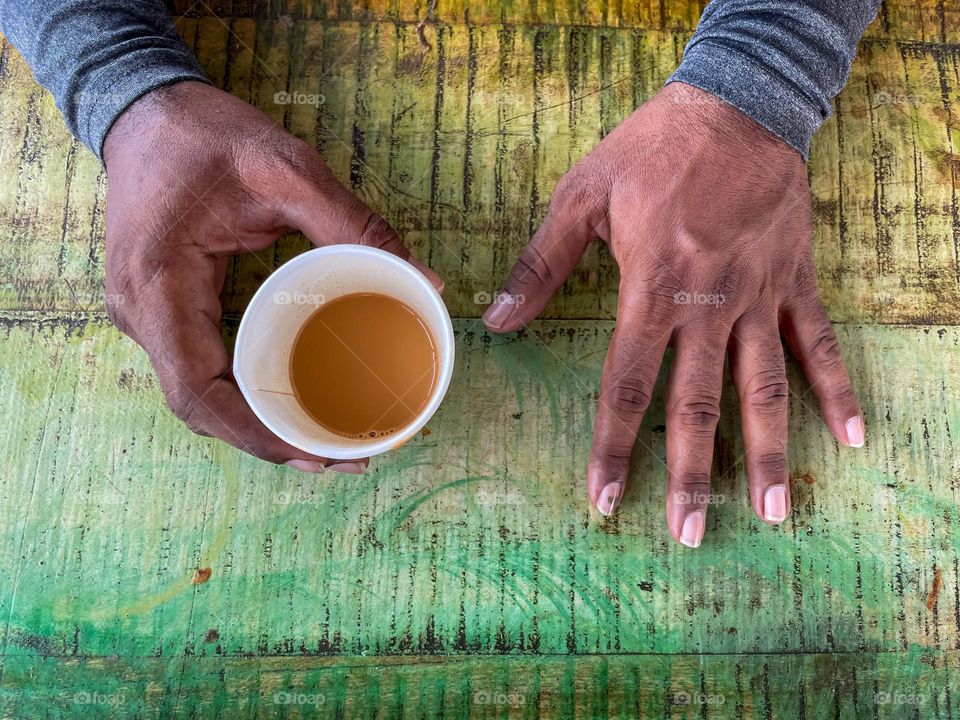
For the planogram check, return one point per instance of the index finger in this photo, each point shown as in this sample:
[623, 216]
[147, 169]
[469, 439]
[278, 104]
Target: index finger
[315, 202]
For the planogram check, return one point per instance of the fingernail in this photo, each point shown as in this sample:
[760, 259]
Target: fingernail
[429, 274]
[692, 532]
[348, 467]
[855, 432]
[609, 498]
[775, 504]
[500, 311]
[310, 466]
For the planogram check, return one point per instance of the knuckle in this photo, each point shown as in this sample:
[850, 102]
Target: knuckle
[531, 268]
[196, 427]
[697, 412]
[271, 160]
[186, 405]
[694, 480]
[576, 199]
[613, 453]
[278, 170]
[570, 194]
[768, 391]
[824, 348]
[690, 488]
[149, 268]
[805, 280]
[771, 464]
[630, 397]
[377, 233]
[259, 450]
[842, 392]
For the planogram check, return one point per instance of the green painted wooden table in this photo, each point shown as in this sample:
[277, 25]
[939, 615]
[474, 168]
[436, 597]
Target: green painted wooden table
[464, 575]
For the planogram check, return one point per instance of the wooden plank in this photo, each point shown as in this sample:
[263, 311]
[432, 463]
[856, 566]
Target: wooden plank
[883, 188]
[928, 21]
[654, 14]
[478, 537]
[464, 575]
[411, 179]
[51, 201]
[460, 144]
[920, 683]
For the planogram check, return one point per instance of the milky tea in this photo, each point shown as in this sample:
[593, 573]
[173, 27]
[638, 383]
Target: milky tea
[364, 365]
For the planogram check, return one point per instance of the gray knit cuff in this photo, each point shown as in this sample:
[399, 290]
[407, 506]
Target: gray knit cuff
[752, 88]
[92, 108]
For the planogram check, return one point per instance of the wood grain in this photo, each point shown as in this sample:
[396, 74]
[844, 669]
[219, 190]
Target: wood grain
[471, 541]
[460, 146]
[870, 685]
[464, 576]
[475, 538]
[927, 21]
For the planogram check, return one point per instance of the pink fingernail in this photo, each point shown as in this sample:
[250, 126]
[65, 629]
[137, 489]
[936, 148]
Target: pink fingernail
[348, 467]
[310, 466]
[609, 498]
[500, 311]
[855, 432]
[429, 274]
[775, 504]
[692, 532]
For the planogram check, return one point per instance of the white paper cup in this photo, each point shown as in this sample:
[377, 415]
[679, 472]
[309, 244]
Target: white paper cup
[261, 361]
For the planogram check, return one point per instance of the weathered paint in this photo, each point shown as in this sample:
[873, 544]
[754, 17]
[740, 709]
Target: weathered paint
[464, 575]
[461, 144]
[474, 539]
[844, 685]
[927, 21]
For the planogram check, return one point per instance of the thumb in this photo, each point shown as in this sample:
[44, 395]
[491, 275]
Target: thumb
[327, 213]
[547, 260]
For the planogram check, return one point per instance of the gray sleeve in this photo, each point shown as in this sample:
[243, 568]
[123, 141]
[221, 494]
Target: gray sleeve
[97, 56]
[779, 61]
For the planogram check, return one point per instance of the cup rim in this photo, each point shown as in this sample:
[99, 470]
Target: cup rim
[445, 348]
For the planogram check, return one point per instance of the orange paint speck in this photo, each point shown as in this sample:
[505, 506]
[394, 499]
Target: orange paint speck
[935, 589]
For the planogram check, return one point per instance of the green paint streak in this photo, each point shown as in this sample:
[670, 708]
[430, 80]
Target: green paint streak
[525, 363]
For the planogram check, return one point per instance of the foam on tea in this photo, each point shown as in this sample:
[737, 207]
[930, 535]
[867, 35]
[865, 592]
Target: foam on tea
[363, 365]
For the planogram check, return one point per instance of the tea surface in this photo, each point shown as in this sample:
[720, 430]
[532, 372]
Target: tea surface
[363, 365]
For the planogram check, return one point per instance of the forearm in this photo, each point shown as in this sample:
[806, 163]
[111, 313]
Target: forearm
[97, 56]
[779, 61]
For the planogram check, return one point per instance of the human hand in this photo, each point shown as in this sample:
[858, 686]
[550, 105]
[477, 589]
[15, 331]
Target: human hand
[708, 217]
[196, 175]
